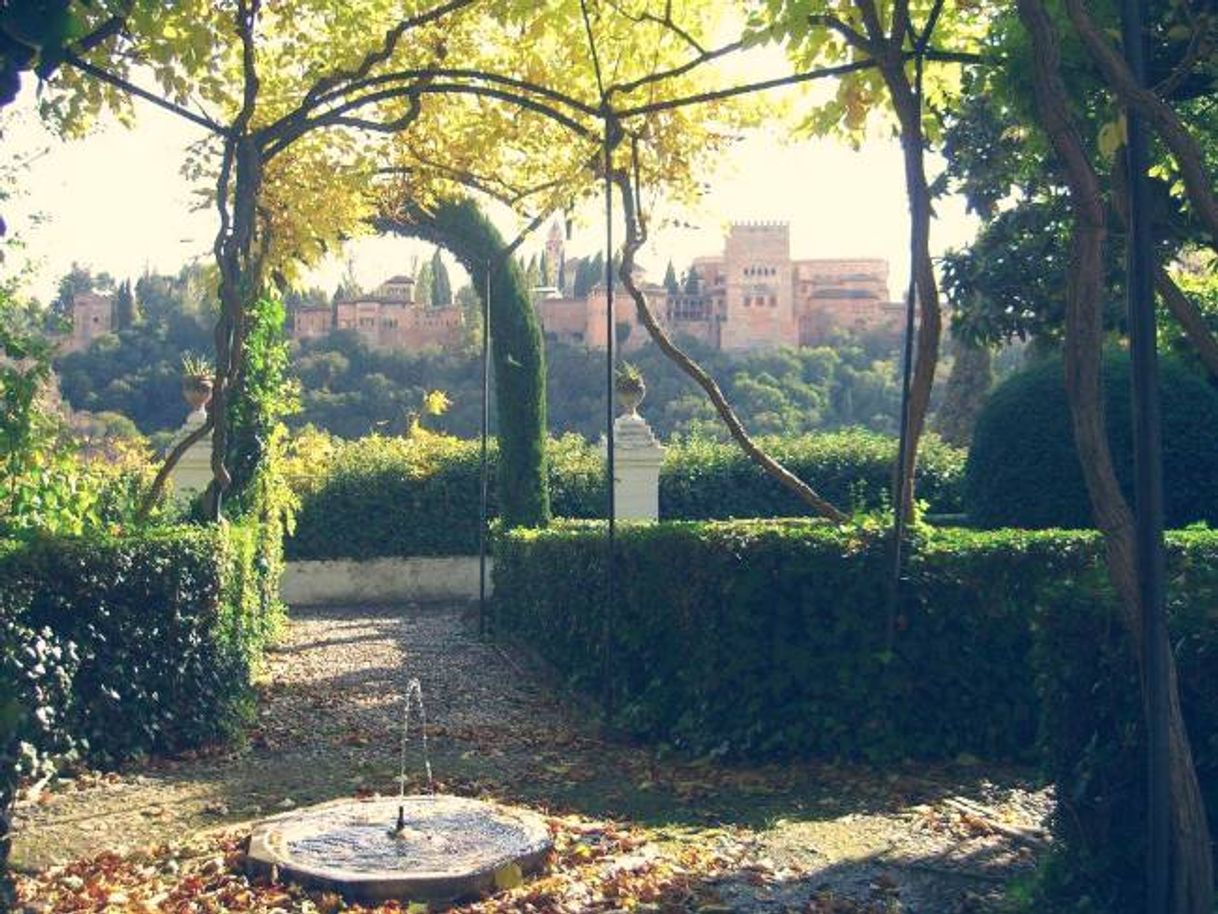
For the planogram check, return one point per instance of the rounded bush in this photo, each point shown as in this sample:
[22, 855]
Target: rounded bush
[1023, 470]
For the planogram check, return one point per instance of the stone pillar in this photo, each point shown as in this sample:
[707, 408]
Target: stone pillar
[192, 472]
[637, 457]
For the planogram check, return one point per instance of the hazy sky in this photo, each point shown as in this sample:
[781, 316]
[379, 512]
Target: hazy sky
[116, 201]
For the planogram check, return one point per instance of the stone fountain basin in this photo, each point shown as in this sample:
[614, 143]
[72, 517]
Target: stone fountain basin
[451, 847]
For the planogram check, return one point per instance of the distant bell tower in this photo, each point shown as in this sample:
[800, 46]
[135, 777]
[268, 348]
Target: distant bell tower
[554, 252]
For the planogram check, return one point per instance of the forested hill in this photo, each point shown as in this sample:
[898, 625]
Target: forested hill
[352, 390]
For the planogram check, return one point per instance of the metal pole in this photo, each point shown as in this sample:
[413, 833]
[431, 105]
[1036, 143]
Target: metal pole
[610, 330]
[486, 421]
[898, 525]
[1148, 480]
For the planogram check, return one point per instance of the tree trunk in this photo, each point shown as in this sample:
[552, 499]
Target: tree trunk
[930, 321]
[965, 392]
[1191, 877]
[240, 280]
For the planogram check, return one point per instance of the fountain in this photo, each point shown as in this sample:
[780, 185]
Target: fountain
[421, 847]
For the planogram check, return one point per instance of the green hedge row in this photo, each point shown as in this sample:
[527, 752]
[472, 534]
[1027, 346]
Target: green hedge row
[166, 626]
[773, 641]
[383, 496]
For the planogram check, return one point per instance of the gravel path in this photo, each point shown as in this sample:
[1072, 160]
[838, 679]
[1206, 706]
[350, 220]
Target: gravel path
[910, 839]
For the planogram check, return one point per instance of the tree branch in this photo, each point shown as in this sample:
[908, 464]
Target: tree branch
[107, 29]
[388, 46]
[433, 89]
[853, 38]
[932, 19]
[1191, 320]
[1187, 152]
[635, 238]
[665, 20]
[596, 60]
[730, 92]
[1189, 316]
[171, 461]
[119, 82]
[492, 186]
[427, 73]
[680, 70]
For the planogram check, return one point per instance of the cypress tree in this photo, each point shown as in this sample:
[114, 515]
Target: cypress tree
[579, 288]
[670, 280]
[441, 287]
[422, 284]
[124, 306]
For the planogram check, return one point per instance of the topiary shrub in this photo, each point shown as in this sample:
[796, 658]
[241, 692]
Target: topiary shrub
[1023, 470]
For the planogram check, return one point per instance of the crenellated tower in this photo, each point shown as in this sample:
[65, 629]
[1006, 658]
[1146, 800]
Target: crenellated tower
[758, 308]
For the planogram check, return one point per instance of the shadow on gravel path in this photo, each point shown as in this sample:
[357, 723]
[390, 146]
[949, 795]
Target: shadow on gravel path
[910, 838]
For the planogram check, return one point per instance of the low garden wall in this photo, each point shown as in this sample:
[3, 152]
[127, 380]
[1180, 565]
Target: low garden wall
[384, 580]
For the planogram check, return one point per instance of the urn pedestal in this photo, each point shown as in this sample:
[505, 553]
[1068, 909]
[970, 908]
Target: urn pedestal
[637, 456]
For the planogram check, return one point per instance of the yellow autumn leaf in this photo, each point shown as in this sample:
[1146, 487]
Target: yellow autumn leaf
[509, 877]
[1112, 137]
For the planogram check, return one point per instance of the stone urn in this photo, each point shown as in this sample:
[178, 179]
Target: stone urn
[197, 382]
[197, 391]
[630, 388]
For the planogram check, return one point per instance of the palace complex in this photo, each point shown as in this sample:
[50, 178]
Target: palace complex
[389, 318]
[752, 296]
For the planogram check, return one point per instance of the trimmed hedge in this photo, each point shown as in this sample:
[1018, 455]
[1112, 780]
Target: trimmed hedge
[1023, 469]
[390, 496]
[772, 639]
[167, 625]
[704, 480]
[772, 642]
